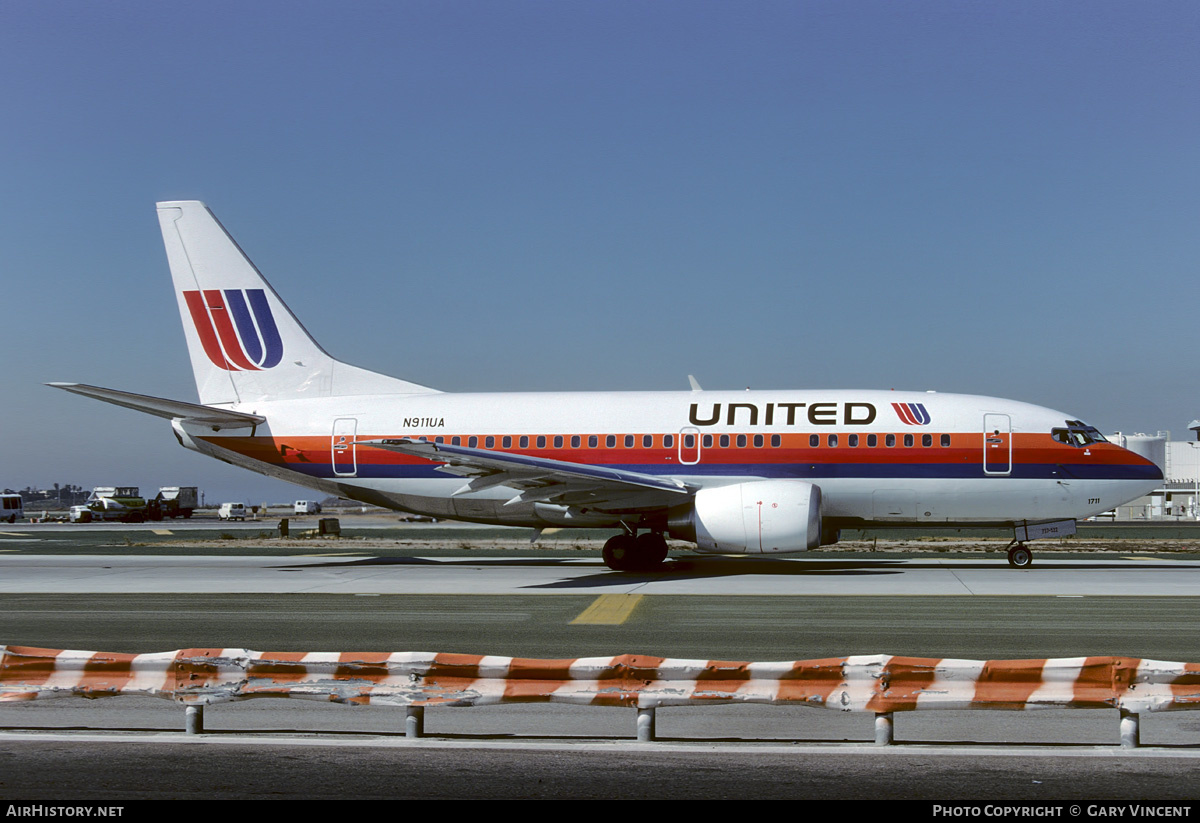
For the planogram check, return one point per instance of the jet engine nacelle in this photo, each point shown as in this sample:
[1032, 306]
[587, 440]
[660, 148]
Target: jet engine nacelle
[761, 516]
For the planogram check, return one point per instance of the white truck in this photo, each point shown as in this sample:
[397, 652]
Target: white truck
[307, 507]
[11, 507]
[232, 511]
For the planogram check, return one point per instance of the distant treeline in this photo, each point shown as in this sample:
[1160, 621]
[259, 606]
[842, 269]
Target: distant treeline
[65, 495]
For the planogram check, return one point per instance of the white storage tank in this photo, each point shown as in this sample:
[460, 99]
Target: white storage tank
[1153, 447]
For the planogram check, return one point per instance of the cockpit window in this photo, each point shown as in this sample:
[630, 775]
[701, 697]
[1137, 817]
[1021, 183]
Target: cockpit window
[1078, 434]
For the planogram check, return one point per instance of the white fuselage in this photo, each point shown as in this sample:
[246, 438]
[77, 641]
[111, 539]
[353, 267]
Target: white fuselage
[878, 457]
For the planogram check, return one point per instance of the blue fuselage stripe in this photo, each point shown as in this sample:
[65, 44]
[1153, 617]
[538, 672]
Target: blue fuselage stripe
[800, 471]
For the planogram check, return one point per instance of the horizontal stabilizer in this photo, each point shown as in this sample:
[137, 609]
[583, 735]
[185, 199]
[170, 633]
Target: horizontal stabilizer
[169, 409]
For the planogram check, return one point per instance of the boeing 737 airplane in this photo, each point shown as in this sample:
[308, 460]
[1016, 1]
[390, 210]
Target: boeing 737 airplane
[746, 472]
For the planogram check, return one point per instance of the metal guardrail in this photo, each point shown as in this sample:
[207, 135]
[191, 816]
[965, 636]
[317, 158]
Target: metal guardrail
[881, 684]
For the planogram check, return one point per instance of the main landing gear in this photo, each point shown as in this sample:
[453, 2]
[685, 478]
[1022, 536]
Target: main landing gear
[635, 553]
[1019, 555]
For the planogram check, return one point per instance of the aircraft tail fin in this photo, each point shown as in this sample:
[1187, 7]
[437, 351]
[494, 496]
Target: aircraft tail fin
[244, 341]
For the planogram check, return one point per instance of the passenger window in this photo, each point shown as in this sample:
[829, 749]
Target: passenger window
[647, 441]
[814, 440]
[472, 441]
[629, 441]
[524, 441]
[724, 441]
[707, 441]
[455, 441]
[507, 441]
[610, 441]
[575, 441]
[689, 441]
[852, 441]
[889, 440]
[490, 442]
[541, 441]
[872, 441]
[668, 441]
[741, 441]
[758, 441]
[593, 441]
[945, 441]
[832, 441]
[908, 441]
[775, 441]
[558, 441]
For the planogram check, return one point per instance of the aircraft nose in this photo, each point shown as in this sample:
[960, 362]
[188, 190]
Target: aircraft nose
[1156, 472]
[1150, 471]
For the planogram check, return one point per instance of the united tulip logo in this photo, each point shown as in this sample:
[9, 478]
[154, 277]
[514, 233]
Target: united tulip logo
[236, 328]
[912, 414]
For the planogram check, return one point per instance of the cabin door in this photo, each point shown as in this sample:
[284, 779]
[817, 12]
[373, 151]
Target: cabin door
[345, 460]
[997, 445]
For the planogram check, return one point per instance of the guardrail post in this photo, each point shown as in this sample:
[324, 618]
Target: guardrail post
[193, 722]
[884, 729]
[414, 722]
[1131, 733]
[645, 725]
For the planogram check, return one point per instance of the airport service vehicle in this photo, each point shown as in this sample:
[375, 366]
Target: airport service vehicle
[232, 511]
[11, 507]
[173, 501]
[79, 514]
[306, 507]
[123, 503]
[746, 472]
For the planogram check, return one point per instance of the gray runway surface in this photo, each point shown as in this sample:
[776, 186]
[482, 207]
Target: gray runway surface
[528, 602]
[112, 770]
[357, 572]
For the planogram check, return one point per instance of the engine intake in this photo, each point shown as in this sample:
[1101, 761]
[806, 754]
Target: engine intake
[761, 516]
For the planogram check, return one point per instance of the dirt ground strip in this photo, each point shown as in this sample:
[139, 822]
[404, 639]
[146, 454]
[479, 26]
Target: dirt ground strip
[567, 543]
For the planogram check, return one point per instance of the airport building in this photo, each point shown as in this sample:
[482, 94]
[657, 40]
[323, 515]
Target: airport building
[1178, 498]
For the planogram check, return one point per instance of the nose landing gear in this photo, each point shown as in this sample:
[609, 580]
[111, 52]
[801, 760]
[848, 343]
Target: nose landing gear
[1019, 555]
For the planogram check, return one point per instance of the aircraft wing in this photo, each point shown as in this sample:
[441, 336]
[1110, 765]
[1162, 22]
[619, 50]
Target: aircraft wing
[169, 409]
[539, 480]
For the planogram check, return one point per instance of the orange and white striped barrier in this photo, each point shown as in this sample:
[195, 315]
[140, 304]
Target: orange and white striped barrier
[881, 684]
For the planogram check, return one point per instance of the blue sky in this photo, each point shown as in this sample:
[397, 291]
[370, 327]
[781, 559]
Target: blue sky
[994, 198]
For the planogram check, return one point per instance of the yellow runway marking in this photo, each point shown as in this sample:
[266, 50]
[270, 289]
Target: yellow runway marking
[608, 610]
[161, 531]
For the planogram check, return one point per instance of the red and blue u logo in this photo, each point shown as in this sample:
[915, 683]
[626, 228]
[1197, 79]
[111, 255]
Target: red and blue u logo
[236, 328]
[913, 414]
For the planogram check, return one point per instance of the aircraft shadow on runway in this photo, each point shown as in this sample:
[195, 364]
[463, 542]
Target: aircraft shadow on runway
[701, 568]
[682, 568]
[698, 567]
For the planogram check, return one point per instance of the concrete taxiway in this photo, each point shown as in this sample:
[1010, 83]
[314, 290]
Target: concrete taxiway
[135, 590]
[360, 573]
